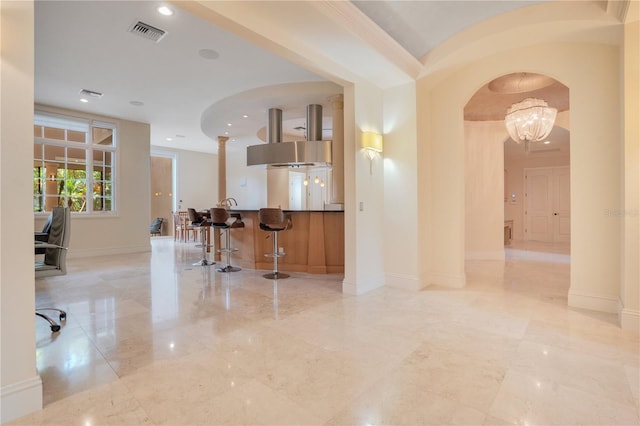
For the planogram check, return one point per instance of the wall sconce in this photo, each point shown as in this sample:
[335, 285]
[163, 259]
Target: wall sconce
[372, 144]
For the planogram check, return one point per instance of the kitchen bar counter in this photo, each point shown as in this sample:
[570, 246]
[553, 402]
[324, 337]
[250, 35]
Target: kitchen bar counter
[314, 243]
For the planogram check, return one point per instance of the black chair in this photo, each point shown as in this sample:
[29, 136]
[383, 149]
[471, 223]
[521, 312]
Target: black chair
[55, 256]
[44, 234]
[220, 219]
[199, 221]
[274, 221]
[156, 226]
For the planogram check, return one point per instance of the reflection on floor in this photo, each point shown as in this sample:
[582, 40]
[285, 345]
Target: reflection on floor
[539, 251]
[151, 339]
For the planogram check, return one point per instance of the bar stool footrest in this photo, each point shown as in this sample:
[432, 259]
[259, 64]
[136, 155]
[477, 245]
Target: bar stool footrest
[276, 275]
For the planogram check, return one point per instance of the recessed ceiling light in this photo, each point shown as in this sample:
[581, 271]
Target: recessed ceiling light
[547, 142]
[226, 133]
[245, 116]
[136, 103]
[83, 100]
[164, 10]
[209, 54]
[169, 139]
[228, 124]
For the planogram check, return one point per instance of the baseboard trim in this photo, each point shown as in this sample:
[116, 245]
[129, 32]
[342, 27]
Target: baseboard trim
[484, 255]
[356, 289]
[593, 302]
[20, 399]
[446, 280]
[629, 319]
[534, 256]
[110, 251]
[407, 282]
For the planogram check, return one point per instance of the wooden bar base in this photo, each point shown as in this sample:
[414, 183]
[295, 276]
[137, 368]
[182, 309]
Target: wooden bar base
[313, 244]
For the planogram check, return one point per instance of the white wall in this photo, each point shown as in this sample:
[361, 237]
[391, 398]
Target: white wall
[484, 189]
[196, 180]
[21, 388]
[364, 186]
[248, 185]
[400, 188]
[126, 231]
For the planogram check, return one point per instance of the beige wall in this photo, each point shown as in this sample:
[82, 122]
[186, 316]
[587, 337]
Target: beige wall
[629, 309]
[484, 189]
[364, 186]
[21, 388]
[127, 230]
[400, 188]
[595, 161]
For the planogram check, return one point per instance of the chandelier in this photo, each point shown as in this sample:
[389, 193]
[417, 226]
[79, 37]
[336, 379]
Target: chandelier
[530, 121]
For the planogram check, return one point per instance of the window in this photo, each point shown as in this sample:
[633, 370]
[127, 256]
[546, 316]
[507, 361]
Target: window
[73, 164]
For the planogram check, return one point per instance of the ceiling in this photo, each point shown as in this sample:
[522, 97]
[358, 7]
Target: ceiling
[198, 78]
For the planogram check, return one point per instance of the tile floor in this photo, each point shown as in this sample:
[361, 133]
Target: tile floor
[151, 339]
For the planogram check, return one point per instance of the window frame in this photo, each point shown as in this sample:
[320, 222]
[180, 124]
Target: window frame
[90, 148]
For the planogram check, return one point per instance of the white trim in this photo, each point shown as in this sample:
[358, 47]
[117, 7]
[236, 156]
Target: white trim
[407, 282]
[629, 319]
[20, 399]
[485, 255]
[446, 280]
[593, 302]
[108, 251]
[359, 288]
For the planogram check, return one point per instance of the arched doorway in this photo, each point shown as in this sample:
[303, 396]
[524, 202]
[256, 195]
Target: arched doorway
[516, 196]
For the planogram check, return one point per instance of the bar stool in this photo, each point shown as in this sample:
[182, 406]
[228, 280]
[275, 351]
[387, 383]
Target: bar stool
[198, 221]
[274, 221]
[220, 220]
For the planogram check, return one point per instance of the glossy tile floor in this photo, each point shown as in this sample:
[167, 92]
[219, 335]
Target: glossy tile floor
[151, 339]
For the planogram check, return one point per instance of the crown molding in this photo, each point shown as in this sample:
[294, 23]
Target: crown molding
[349, 17]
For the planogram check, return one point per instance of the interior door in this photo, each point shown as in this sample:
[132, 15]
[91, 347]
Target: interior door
[548, 204]
[561, 205]
[538, 209]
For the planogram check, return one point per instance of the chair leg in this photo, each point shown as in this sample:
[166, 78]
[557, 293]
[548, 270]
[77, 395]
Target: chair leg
[275, 274]
[204, 261]
[55, 327]
[227, 250]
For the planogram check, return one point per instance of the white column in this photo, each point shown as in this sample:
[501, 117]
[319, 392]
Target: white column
[222, 167]
[21, 391]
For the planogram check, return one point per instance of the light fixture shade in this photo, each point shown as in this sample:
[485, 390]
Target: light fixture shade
[372, 141]
[530, 120]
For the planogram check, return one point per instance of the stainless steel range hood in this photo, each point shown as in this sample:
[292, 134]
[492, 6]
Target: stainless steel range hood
[312, 152]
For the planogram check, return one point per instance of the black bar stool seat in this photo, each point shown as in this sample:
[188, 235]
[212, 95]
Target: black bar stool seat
[273, 220]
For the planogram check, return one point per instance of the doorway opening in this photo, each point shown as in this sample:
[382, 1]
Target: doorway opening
[162, 195]
[517, 197]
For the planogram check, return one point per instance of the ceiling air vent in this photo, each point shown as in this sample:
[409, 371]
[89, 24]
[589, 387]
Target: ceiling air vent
[91, 93]
[147, 31]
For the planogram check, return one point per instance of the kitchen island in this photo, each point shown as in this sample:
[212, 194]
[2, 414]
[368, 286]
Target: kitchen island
[314, 243]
